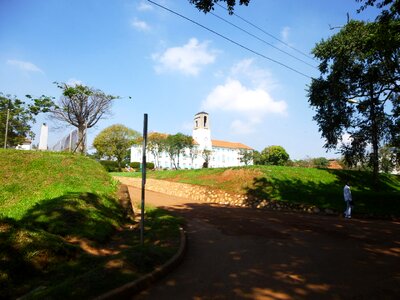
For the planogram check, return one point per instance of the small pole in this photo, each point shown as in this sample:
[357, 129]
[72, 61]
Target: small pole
[5, 136]
[143, 178]
[85, 139]
[70, 141]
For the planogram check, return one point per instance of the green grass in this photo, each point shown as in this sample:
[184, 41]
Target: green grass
[320, 187]
[47, 200]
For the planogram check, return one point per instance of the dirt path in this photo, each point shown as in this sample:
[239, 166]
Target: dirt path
[237, 253]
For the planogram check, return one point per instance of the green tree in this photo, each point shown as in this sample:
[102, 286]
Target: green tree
[206, 154]
[156, 143]
[388, 159]
[208, 5]
[82, 107]
[192, 152]
[358, 90]
[175, 146]
[114, 141]
[387, 12]
[17, 117]
[257, 160]
[246, 156]
[320, 162]
[274, 155]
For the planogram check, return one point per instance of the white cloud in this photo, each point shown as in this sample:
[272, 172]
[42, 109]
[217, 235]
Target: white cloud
[245, 70]
[143, 6]
[233, 96]
[74, 82]
[140, 25]
[246, 97]
[188, 59]
[24, 65]
[285, 33]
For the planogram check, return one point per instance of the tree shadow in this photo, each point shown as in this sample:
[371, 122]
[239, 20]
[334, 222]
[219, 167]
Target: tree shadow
[85, 215]
[80, 246]
[68, 246]
[296, 193]
[243, 253]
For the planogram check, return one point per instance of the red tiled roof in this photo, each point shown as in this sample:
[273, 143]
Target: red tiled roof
[216, 143]
[333, 164]
[224, 144]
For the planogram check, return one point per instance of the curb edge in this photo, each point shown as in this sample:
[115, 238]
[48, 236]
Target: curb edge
[130, 289]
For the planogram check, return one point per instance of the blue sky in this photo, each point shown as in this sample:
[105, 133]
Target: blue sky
[173, 68]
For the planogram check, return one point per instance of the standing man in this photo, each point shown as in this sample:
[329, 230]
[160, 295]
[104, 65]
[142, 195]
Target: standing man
[348, 199]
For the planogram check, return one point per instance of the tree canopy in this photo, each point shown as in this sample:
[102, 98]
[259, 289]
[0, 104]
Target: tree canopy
[208, 5]
[273, 155]
[175, 146]
[17, 117]
[156, 143]
[82, 107]
[358, 90]
[246, 156]
[206, 155]
[114, 141]
[387, 12]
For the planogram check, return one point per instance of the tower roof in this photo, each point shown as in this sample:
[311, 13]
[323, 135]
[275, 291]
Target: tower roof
[201, 113]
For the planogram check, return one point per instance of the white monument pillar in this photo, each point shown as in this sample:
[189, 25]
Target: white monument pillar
[44, 135]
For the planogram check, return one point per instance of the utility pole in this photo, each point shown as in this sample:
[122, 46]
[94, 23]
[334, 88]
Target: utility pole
[143, 179]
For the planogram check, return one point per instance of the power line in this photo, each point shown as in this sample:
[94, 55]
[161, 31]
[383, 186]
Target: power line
[262, 40]
[269, 34]
[230, 40]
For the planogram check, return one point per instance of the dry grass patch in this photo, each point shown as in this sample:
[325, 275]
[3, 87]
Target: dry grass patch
[233, 180]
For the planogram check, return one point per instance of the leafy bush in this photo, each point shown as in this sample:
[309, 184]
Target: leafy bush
[136, 165]
[320, 162]
[110, 166]
[274, 155]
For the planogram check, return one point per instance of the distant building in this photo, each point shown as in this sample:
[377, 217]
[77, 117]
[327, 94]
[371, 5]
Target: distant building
[222, 153]
[44, 135]
[334, 164]
[26, 145]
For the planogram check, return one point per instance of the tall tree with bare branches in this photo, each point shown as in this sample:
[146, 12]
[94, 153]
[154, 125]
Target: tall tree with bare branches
[82, 107]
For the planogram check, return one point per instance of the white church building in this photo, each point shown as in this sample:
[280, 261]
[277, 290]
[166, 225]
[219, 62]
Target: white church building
[223, 153]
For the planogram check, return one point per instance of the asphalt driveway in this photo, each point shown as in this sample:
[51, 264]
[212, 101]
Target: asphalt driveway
[239, 253]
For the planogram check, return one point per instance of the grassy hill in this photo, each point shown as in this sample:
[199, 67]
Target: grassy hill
[320, 187]
[59, 215]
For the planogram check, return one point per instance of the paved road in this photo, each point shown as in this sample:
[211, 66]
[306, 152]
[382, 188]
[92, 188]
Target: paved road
[236, 253]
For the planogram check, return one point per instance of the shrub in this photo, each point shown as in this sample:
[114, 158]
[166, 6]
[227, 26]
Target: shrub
[110, 166]
[320, 162]
[136, 165]
[274, 155]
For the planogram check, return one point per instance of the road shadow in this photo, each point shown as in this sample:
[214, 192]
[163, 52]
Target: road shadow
[242, 253]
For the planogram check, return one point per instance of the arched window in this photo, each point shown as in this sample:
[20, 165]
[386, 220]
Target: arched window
[205, 121]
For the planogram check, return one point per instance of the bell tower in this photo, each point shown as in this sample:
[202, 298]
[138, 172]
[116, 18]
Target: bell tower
[201, 130]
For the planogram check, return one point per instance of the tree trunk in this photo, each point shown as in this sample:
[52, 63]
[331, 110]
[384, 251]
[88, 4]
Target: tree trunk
[81, 147]
[374, 142]
[375, 164]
